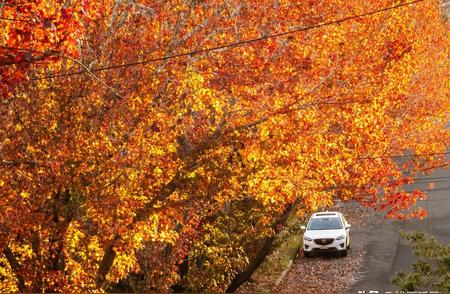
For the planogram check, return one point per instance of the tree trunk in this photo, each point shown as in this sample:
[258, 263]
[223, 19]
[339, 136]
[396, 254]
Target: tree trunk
[256, 262]
[15, 267]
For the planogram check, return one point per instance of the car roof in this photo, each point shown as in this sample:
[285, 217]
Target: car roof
[326, 214]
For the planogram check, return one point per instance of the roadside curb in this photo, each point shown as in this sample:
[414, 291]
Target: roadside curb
[288, 267]
[280, 278]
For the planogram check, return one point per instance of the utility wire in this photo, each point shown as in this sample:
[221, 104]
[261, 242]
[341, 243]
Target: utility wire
[393, 156]
[233, 45]
[417, 155]
[402, 156]
[445, 165]
[433, 200]
[17, 20]
[381, 185]
[433, 178]
[354, 187]
[34, 162]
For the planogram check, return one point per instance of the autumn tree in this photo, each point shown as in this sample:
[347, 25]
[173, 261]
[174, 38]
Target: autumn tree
[135, 138]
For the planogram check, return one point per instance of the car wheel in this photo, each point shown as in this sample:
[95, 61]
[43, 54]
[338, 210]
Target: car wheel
[307, 254]
[344, 253]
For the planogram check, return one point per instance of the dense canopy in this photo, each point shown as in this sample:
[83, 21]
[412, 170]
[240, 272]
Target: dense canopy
[133, 157]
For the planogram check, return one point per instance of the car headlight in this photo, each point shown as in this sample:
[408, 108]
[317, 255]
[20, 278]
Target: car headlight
[340, 237]
[306, 238]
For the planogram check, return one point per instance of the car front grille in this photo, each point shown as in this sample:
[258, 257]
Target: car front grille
[323, 241]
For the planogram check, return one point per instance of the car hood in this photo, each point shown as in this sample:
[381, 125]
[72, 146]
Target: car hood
[315, 234]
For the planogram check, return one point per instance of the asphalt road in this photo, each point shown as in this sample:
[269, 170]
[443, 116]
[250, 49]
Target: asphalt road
[387, 252]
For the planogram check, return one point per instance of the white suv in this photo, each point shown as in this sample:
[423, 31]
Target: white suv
[326, 231]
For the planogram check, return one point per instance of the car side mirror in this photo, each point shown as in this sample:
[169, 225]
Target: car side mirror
[302, 228]
[348, 226]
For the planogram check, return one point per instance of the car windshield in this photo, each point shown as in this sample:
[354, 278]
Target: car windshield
[325, 223]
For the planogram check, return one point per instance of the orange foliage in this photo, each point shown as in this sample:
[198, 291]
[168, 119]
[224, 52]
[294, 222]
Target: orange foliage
[124, 171]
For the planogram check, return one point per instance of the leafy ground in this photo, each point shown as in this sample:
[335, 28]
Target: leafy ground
[320, 274]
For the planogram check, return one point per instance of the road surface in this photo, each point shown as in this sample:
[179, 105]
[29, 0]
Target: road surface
[387, 252]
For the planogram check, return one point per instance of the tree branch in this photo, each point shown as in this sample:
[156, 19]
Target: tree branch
[240, 278]
[15, 266]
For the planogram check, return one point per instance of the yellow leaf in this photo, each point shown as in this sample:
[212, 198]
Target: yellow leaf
[158, 171]
[24, 194]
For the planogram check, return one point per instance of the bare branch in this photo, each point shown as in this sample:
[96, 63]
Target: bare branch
[114, 91]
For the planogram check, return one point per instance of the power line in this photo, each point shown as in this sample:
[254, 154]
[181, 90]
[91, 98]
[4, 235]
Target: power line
[421, 182]
[406, 191]
[424, 154]
[430, 190]
[379, 194]
[232, 45]
[17, 20]
[434, 178]
[394, 156]
[380, 185]
[405, 155]
[445, 165]
[36, 163]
